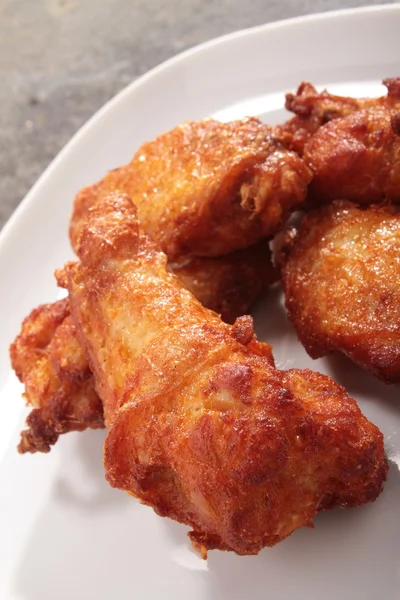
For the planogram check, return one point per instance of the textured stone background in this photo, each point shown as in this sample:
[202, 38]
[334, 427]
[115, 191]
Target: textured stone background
[61, 60]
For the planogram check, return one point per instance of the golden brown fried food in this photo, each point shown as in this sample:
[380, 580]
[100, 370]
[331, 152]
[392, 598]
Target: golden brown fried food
[50, 361]
[341, 278]
[207, 188]
[314, 109]
[202, 427]
[231, 284]
[356, 158]
[48, 358]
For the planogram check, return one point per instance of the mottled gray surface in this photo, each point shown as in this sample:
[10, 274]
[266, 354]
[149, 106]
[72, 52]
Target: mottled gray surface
[61, 60]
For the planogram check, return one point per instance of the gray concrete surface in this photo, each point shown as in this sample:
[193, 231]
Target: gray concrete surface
[61, 60]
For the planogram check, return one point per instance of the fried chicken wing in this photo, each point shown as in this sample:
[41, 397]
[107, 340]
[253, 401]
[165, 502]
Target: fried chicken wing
[356, 158]
[48, 358]
[341, 276]
[202, 427]
[207, 188]
[314, 109]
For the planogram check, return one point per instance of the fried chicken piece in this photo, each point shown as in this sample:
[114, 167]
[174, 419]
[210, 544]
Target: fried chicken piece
[314, 109]
[356, 158]
[48, 358]
[341, 278]
[202, 427]
[352, 145]
[206, 188]
[228, 285]
[231, 284]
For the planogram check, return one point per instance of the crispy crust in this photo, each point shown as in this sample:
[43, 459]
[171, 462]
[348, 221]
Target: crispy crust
[314, 109]
[231, 284]
[37, 331]
[340, 275]
[48, 358]
[201, 427]
[357, 158]
[206, 188]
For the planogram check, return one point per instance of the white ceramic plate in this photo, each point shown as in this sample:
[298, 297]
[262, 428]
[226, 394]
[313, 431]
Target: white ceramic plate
[63, 532]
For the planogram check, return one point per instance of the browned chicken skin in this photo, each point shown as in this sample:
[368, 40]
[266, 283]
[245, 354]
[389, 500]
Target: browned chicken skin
[202, 427]
[356, 158]
[314, 109]
[188, 174]
[48, 358]
[229, 285]
[352, 145]
[207, 188]
[341, 277]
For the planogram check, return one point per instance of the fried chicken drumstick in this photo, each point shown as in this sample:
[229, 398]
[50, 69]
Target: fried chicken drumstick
[48, 358]
[341, 273]
[202, 427]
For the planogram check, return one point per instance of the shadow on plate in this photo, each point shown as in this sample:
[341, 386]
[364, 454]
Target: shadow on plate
[359, 382]
[91, 541]
[271, 325]
[270, 318]
[82, 486]
[76, 538]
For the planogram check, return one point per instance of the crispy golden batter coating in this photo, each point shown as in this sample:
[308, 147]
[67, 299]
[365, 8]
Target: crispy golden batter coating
[48, 358]
[230, 284]
[356, 158]
[314, 109]
[341, 279]
[36, 333]
[201, 425]
[207, 188]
